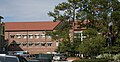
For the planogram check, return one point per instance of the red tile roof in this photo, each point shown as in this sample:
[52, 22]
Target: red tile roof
[16, 26]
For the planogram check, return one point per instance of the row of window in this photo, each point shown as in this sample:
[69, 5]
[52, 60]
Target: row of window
[29, 36]
[31, 44]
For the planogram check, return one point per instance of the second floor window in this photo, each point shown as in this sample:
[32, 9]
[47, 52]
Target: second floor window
[24, 36]
[36, 36]
[49, 36]
[18, 36]
[30, 36]
[43, 35]
[12, 36]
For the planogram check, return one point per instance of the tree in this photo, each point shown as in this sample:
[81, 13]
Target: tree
[93, 44]
[66, 10]
[61, 34]
[99, 12]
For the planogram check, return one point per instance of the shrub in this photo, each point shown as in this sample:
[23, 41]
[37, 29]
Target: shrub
[91, 60]
[105, 56]
[116, 57]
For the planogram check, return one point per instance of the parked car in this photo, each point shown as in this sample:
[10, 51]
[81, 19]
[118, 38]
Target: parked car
[59, 57]
[28, 56]
[10, 58]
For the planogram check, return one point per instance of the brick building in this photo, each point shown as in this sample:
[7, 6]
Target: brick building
[30, 36]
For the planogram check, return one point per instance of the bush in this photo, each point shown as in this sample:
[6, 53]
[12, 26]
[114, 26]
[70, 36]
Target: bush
[116, 57]
[105, 56]
[91, 60]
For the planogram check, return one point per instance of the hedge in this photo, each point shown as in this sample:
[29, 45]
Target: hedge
[91, 60]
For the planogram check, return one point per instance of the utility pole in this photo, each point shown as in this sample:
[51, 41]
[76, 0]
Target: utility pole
[110, 36]
[1, 34]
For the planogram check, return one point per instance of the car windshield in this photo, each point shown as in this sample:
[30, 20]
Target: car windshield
[22, 59]
[11, 59]
[1, 59]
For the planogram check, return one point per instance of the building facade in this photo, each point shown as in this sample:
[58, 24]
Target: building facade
[31, 37]
[77, 30]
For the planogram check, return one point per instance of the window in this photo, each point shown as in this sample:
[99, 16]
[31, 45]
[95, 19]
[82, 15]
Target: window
[17, 43]
[30, 43]
[43, 35]
[24, 44]
[49, 43]
[57, 43]
[30, 36]
[77, 35]
[43, 44]
[18, 36]
[12, 44]
[37, 43]
[24, 36]
[12, 36]
[49, 36]
[36, 36]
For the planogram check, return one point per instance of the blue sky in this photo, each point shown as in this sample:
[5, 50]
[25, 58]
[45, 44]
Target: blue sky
[27, 10]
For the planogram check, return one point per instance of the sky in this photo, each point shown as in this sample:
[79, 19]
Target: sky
[27, 10]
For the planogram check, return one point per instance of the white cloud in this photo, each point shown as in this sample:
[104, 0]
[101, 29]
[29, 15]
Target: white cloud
[27, 10]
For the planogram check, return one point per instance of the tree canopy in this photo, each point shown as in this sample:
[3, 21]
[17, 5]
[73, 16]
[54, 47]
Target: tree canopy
[100, 13]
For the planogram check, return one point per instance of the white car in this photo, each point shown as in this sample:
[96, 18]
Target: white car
[58, 57]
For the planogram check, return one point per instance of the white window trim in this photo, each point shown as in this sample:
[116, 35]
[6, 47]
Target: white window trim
[43, 35]
[37, 36]
[18, 36]
[31, 36]
[57, 43]
[24, 36]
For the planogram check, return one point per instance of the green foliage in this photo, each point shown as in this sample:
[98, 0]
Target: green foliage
[91, 60]
[64, 46]
[116, 57]
[99, 13]
[105, 56]
[62, 32]
[93, 44]
[109, 56]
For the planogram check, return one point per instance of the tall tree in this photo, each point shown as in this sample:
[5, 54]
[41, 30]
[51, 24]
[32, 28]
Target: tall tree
[99, 12]
[66, 10]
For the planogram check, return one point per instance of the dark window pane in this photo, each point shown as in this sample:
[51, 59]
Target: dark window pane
[12, 36]
[49, 44]
[43, 44]
[11, 59]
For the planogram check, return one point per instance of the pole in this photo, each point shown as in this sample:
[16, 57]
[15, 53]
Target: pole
[1, 33]
[110, 36]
